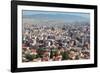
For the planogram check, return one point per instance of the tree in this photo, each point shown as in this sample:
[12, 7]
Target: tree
[65, 55]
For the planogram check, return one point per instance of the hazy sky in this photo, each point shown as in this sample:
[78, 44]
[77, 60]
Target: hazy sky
[45, 16]
[33, 12]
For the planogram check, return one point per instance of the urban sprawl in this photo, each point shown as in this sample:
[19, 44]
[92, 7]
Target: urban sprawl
[55, 42]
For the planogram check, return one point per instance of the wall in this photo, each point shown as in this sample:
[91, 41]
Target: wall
[69, 1]
[5, 36]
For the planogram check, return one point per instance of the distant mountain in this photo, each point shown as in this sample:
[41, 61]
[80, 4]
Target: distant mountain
[62, 17]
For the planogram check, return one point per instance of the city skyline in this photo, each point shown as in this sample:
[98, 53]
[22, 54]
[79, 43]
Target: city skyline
[48, 36]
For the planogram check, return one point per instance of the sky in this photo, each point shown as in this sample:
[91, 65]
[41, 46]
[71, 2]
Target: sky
[33, 12]
[56, 15]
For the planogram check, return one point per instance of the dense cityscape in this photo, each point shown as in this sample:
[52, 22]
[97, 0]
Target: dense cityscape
[55, 42]
[55, 36]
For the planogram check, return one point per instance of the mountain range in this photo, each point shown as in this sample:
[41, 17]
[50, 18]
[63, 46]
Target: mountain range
[53, 18]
